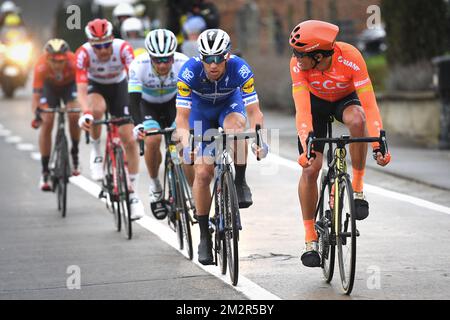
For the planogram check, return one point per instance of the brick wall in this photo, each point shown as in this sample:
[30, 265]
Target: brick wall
[350, 14]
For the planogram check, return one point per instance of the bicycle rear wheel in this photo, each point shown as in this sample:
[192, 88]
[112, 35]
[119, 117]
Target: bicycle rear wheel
[169, 193]
[346, 239]
[184, 217]
[325, 229]
[124, 194]
[231, 212]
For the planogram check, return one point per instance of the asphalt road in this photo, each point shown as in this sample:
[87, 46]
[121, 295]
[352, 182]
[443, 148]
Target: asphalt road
[402, 251]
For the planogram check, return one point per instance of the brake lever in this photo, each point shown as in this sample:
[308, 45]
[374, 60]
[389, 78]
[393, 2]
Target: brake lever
[87, 135]
[310, 147]
[141, 144]
[259, 141]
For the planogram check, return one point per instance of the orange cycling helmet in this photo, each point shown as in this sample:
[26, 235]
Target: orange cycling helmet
[313, 35]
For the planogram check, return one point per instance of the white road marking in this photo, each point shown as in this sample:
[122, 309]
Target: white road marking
[35, 156]
[374, 189]
[5, 132]
[245, 286]
[13, 139]
[25, 147]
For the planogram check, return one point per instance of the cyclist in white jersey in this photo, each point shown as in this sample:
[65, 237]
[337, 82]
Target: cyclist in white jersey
[153, 88]
[102, 67]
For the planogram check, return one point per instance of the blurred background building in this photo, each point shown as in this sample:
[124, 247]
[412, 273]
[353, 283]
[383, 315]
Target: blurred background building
[398, 51]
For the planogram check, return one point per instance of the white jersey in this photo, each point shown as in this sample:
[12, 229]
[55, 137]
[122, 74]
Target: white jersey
[112, 71]
[154, 88]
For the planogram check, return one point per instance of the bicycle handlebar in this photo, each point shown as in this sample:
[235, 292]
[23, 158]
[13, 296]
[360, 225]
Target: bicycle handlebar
[231, 136]
[114, 121]
[344, 140]
[56, 110]
[153, 133]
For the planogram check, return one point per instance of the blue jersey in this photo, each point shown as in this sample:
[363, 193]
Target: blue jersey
[194, 88]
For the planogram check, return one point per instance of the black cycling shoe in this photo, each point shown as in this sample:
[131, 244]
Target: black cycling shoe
[205, 255]
[310, 257]
[244, 195]
[362, 209]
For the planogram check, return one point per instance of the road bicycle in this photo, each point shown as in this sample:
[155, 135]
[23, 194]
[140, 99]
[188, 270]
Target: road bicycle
[177, 203]
[59, 164]
[335, 211]
[226, 222]
[116, 185]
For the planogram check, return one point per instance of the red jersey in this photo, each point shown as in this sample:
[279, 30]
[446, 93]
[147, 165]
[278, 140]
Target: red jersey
[44, 73]
[109, 72]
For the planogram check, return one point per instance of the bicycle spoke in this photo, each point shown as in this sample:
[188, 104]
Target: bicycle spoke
[347, 235]
[124, 196]
[325, 229]
[231, 211]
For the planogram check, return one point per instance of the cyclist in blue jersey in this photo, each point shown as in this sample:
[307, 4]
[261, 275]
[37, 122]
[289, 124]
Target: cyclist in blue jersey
[215, 90]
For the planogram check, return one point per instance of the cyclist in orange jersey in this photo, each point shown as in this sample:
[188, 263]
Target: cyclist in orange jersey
[330, 79]
[54, 80]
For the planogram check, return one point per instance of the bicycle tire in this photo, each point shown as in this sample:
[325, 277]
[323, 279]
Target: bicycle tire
[184, 216]
[347, 232]
[124, 194]
[327, 248]
[108, 191]
[61, 172]
[231, 210]
[220, 248]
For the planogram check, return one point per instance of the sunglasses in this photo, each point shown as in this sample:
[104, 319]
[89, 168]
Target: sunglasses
[102, 45]
[57, 61]
[214, 59]
[162, 60]
[299, 54]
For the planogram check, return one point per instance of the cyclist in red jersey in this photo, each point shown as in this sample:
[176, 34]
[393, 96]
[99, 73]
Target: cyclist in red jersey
[330, 79]
[102, 70]
[54, 80]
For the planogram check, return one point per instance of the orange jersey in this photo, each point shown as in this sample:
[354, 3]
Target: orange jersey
[347, 74]
[44, 73]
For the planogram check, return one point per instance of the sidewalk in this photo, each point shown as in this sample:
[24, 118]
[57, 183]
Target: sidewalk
[409, 160]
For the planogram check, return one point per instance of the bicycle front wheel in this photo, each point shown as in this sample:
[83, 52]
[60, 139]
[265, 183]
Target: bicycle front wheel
[112, 202]
[346, 238]
[219, 237]
[184, 217]
[62, 173]
[324, 227]
[231, 213]
[124, 194]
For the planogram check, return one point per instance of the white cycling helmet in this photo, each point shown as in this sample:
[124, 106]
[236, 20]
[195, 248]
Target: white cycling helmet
[161, 43]
[132, 25]
[9, 6]
[213, 42]
[194, 25]
[124, 10]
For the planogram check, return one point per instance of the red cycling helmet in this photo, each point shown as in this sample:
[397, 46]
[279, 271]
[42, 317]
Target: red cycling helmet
[313, 35]
[99, 31]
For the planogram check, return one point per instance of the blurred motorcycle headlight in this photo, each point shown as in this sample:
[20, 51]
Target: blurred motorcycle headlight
[20, 53]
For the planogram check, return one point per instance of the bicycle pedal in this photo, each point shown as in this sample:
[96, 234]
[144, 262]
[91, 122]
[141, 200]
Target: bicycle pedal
[357, 233]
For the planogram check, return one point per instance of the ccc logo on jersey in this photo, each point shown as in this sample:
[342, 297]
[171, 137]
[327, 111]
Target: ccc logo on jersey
[183, 89]
[249, 86]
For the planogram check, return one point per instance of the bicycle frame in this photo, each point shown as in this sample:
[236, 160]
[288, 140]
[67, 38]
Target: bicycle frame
[61, 126]
[113, 142]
